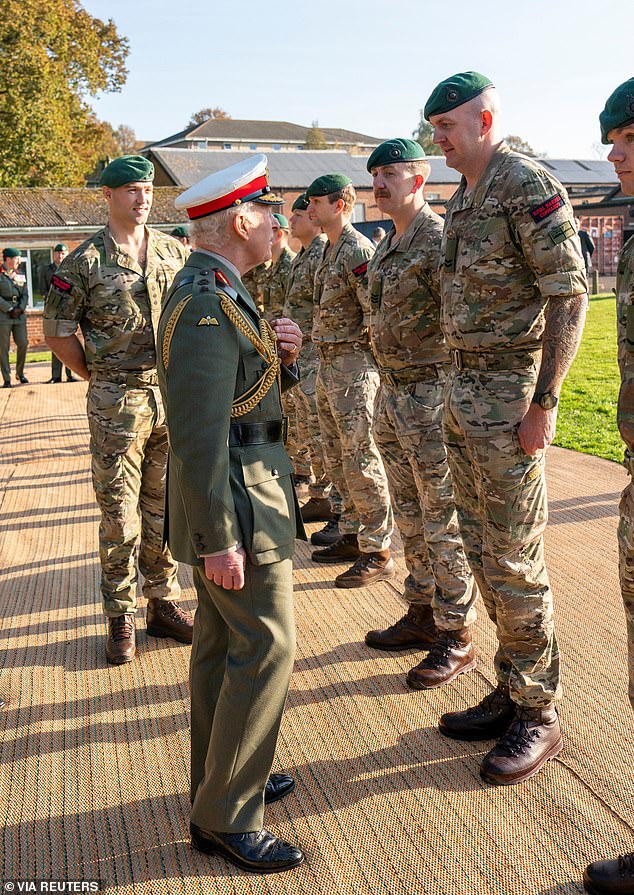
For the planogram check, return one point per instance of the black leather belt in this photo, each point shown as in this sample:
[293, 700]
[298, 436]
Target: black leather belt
[241, 434]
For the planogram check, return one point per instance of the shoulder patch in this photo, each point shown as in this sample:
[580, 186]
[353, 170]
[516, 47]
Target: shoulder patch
[62, 285]
[550, 206]
[361, 270]
[561, 232]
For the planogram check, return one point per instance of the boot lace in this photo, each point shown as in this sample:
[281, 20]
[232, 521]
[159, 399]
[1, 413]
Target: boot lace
[497, 699]
[438, 655]
[519, 737]
[171, 611]
[626, 864]
[330, 527]
[122, 627]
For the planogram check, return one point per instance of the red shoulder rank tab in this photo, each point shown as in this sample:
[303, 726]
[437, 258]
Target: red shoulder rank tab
[62, 285]
[221, 278]
[550, 206]
[360, 270]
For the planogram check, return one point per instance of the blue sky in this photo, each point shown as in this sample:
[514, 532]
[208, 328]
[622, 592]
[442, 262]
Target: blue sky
[370, 66]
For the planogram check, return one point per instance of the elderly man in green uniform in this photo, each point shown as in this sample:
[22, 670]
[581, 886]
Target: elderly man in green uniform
[413, 362]
[513, 304]
[299, 306]
[13, 299]
[346, 389]
[60, 251]
[112, 287]
[616, 876]
[233, 514]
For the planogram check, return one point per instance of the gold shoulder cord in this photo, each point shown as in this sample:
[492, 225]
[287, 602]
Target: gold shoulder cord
[265, 345]
[171, 326]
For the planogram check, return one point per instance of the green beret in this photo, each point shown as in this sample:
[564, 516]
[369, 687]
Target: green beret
[454, 91]
[180, 233]
[619, 109]
[127, 169]
[60, 247]
[11, 253]
[327, 184]
[301, 203]
[397, 150]
[282, 220]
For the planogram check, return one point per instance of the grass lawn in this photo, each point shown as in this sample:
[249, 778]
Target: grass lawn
[587, 409]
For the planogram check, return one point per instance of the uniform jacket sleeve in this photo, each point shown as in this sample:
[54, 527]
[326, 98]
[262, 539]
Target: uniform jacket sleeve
[66, 298]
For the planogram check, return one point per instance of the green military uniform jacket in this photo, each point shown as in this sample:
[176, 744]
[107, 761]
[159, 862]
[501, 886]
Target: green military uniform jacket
[12, 296]
[208, 363]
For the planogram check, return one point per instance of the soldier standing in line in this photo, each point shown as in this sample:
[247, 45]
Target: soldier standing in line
[182, 235]
[59, 253]
[112, 286]
[413, 361]
[13, 299]
[299, 306]
[254, 281]
[513, 304]
[616, 876]
[347, 383]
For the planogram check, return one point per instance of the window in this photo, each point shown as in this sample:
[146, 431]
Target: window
[253, 146]
[277, 147]
[432, 197]
[227, 146]
[358, 212]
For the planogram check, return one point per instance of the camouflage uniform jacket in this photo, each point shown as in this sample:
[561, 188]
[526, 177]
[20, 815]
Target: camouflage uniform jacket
[342, 307]
[115, 302]
[625, 331]
[275, 284]
[254, 281]
[507, 248]
[404, 289]
[12, 296]
[299, 300]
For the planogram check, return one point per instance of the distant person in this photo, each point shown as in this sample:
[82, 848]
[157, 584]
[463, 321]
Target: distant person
[182, 235]
[377, 235]
[13, 299]
[587, 248]
[59, 253]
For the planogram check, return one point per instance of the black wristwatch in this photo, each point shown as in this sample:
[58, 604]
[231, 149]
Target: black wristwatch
[546, 400]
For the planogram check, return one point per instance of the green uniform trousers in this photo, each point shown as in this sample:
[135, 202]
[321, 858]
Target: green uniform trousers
[241, 663]
[18, 328]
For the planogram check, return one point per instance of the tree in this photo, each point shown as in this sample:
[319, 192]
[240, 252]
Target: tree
[205, 114]
[424, 134]
[315, 138]
[53, 55]
[126, 140]
[517, 144]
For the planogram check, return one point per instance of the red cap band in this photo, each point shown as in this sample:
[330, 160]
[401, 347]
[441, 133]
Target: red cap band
[200, 211]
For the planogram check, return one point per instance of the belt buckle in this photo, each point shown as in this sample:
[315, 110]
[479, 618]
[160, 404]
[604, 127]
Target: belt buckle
[284, 429]
[456, 358]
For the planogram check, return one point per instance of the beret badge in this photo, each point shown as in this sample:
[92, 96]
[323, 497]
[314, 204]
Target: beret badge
[452, 95]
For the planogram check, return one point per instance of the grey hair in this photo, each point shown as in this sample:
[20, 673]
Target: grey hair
[215, 229]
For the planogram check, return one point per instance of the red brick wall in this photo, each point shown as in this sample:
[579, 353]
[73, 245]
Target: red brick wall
[34, 330]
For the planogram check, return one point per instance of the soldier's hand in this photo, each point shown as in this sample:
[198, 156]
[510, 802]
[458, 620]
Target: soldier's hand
[227, 569]
[13, 313]
[537, 429]
[289, 339]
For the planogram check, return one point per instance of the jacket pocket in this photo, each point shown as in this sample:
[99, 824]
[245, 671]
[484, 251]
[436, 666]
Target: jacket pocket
[267, 474]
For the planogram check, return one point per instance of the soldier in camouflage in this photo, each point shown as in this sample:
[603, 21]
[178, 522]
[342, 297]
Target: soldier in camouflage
[299, 305]
[254, 281]
[347, 383]
[413, 362]
[513, 303]
[112, 287]
[616, 876]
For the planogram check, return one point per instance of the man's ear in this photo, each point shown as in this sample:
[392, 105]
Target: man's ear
[241, 226]
[486, 122]
[418, 183]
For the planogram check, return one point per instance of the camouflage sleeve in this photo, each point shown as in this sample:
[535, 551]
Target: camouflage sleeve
[625, 334]
[543, 222]
[431, 263]
[66, 298]
[358, 276]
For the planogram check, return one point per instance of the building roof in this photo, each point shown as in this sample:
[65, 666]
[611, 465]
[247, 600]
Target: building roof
[579, 172]
[68, 209]
[228, 129]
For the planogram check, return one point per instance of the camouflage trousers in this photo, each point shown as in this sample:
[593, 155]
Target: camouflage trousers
[500, 495]
[128, 443]
[407, 430]
[308, 425]
[17, 328]
[626, 572]
[296, 447]
[347, 384]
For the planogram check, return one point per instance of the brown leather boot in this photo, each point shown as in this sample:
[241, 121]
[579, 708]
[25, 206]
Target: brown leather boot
[452, 654]
[368, 568]
[488, 719]
[344, 548]
[614, 877]
[317, 509]
[415, 630]
[120, 643]
[167, 619]
[328, 534]
[532, 738]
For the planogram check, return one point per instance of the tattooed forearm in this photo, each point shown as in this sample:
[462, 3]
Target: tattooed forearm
[562, 335]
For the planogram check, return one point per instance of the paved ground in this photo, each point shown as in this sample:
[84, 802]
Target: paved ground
[94, 781]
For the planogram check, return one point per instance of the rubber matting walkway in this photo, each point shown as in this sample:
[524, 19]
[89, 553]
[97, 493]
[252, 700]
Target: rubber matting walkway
[94, 779]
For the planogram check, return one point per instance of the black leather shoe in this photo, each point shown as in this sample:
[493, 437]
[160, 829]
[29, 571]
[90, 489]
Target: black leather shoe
[23, 380]
[71, 379]
[610, 877]
[49, 381]
[7, 385]
[277, 786]
[259, 852]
